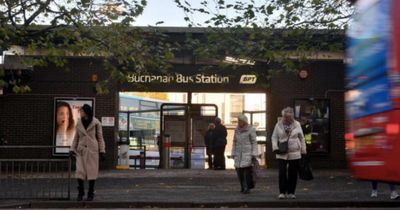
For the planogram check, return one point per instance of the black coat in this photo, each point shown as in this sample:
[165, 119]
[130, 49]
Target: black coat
[220, 134]
[209, 138]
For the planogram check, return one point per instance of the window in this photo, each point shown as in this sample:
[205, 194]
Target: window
[237, 107]
[314, 116]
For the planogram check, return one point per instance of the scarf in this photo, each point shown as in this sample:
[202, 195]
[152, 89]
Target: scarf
[86, 122]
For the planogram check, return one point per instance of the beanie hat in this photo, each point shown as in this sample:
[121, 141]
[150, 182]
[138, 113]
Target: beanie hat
[88, 110]
[243, 118]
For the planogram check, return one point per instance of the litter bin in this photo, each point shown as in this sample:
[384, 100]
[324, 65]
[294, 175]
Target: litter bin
[142, 159]
[166, 147]
[123, 156]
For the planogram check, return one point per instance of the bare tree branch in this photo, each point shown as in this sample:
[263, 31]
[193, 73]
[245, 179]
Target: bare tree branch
[10, 16]
[41, 8]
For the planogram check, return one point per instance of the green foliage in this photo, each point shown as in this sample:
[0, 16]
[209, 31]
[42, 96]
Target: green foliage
[273, 31]
[59, 28]
[101, 88]
[267, 31]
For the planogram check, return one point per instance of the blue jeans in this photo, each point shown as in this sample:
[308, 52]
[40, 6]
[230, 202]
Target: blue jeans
[392, 187]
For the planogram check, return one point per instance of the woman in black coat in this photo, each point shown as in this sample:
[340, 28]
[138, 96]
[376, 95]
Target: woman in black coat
[209, 142]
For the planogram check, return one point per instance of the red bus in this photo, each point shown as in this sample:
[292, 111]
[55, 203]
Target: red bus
[373, 97]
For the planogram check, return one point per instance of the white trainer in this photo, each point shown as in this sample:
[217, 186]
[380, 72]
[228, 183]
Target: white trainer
[282, 196]
[291, 196]
[374, 193]
[394, 195]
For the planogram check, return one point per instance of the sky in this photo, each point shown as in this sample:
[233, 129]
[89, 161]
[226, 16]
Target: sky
[167, 11]
[162, 10]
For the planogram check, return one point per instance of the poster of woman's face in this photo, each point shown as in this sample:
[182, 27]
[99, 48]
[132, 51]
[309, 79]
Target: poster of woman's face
[66, 114]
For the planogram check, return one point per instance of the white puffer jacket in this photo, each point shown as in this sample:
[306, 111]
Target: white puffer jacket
[244, 146]
[297, 144]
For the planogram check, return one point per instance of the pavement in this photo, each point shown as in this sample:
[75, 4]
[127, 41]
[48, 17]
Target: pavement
[182, 188]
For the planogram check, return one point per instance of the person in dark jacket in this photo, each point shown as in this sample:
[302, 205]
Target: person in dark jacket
[209, 142]
[220, 134]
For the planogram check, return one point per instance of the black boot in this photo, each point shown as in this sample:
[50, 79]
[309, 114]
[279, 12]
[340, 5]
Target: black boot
[90, 195]
[245, 189]
[81, 190]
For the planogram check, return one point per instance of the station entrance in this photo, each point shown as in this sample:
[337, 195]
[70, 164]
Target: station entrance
[166, 129]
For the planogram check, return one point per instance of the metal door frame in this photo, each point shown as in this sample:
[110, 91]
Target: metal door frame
[188, 121]
[251, 123]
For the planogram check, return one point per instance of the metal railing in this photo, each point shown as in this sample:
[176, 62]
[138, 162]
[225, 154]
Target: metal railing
[37, 178]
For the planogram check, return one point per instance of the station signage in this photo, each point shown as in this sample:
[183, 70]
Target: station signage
[196, 78]
[180, 78]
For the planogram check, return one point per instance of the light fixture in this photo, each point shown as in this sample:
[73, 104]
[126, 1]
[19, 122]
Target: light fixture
[94, 78]
[303, 74]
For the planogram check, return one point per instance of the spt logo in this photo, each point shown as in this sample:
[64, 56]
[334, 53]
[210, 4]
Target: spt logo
[248, 79]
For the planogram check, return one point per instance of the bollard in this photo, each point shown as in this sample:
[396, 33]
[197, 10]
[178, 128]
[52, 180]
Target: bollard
[142, 160]
[166, 146]
[123, 157]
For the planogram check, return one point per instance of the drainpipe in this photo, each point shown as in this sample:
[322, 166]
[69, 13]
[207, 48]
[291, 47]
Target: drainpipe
[331, 91]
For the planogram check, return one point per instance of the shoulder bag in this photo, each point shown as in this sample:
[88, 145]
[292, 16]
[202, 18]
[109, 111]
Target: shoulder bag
[283, 147]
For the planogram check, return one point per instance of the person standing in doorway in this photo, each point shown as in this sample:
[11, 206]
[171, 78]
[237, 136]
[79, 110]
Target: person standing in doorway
[88, 146]
[209, 142]
[307, 130]
[288, 130]
[220, 134]
[244, 150]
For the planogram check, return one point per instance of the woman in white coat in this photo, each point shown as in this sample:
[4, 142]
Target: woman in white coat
[288, 129]
[244, 150]
[87, 146]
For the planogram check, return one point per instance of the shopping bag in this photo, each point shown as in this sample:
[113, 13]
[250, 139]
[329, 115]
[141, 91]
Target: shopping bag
[305, 170]
[255, 170]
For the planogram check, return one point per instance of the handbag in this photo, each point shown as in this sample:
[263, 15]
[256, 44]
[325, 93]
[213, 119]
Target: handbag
[305, 170]
[283, 147]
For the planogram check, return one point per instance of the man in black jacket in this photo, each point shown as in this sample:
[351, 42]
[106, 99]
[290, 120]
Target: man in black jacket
[220, 134]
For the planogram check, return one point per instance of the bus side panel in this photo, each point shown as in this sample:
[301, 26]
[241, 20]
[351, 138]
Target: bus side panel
[395, 56]
[368, 42]
[375, 157]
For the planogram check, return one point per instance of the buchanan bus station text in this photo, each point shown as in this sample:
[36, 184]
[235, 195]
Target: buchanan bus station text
[179, 78]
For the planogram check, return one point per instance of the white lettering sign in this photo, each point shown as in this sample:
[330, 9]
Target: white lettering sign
[107, 121]
[180, 78]
[248, 79]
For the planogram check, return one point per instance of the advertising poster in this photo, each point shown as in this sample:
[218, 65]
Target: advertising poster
[66, 116]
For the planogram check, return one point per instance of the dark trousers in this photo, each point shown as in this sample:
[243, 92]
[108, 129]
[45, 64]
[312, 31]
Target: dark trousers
[209, 152]
[392, 187]
[219, 157]
[245, 178]
[288, 172]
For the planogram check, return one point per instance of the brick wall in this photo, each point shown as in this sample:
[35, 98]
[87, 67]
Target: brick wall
[325, 80]
[27, 119]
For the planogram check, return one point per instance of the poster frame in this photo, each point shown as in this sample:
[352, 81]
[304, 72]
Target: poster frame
[83, 100]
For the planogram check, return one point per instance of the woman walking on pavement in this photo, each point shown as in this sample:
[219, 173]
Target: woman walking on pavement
[244, 150]
[288, 130]
[87, 146]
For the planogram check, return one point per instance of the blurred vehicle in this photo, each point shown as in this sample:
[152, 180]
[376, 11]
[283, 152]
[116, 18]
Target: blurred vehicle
[373, 96]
